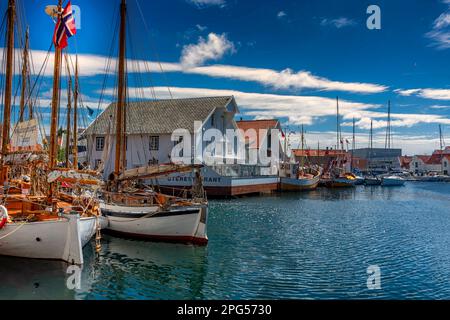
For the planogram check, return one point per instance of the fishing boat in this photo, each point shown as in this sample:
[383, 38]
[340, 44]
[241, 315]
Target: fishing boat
[337, 176]
[37, 220]
[344, 180]
[301, 177]
[132, 209]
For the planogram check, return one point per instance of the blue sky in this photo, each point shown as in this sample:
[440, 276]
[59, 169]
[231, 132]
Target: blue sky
[285, 59]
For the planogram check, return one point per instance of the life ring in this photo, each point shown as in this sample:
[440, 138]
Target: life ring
[3, 216]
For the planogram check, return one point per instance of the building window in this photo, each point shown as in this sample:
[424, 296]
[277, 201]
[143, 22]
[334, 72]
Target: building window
[99, 143]
[213, 121]
[416, 164]
[445, 164]
[154, 143]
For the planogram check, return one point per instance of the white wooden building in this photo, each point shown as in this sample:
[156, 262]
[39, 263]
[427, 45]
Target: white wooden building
[149, 130]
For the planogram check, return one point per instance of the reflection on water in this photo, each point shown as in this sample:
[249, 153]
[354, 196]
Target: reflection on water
[128, 269]
[313, 245]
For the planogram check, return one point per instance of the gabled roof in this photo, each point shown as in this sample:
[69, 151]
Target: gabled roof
[424, 159]
[258, 125]
[161, 116]
[406, 159]
[436, 159]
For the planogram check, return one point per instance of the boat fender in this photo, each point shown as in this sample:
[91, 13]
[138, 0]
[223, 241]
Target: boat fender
[3, 216]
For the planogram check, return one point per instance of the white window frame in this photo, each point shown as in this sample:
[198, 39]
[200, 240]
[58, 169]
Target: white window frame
[97, 143]
[154, 143]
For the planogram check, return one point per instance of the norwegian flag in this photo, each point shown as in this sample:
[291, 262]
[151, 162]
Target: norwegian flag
[65, 27]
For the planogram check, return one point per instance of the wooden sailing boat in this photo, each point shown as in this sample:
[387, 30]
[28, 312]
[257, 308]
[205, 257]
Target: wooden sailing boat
[337, 177]
[38, 221]
[144, 213]
[300, 178]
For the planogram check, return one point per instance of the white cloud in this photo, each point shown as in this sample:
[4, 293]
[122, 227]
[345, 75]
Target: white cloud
[302, 109]
[91, 65]
[440, 33]
[338, 23]
[285, 79]
[203, 3]
[281, 14]
[299, 109]
[437, 107]
[435, 94]
[214, 48]
[397, 120]
[410, 144]
[200, 27]
[442, 21]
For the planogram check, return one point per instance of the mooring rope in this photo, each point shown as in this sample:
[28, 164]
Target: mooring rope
[14, 231]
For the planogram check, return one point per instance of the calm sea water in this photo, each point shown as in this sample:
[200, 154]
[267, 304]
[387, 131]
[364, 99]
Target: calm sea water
[314, 245]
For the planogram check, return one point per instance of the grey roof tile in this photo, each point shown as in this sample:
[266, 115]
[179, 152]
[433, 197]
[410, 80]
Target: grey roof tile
[160, 116]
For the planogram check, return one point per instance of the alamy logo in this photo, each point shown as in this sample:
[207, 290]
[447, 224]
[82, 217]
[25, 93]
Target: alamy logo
[74, 280]
[374, 20]
[214, 147]
[76, 11]
[374, 279]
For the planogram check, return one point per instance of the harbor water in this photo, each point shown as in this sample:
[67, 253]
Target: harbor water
[314, 245]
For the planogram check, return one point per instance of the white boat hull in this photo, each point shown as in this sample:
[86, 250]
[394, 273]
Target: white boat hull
[177, 224]
[372, 182]
[61, 239]
[290, 184]
[393, 182]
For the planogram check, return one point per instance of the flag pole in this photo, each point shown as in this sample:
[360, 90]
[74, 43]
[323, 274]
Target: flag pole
[55, 106]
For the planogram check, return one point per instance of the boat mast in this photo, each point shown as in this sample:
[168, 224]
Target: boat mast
[8, 81]
[53, 151]
[303, 147]
[441, 141]
[75, 118]
[121, 92]
[337, 123]
[69, 113]
[370, 142]
[24, 76]
[353, 144]
[387, 144]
